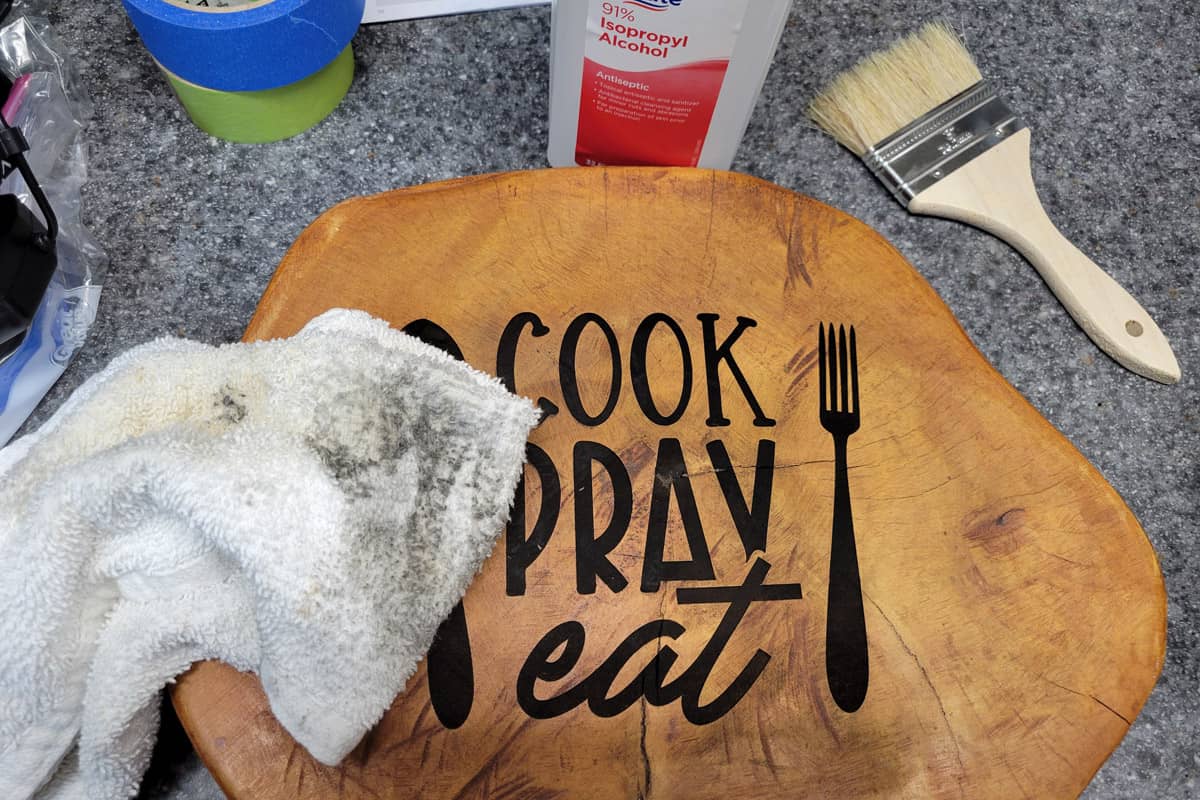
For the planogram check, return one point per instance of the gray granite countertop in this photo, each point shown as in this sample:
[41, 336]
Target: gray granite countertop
[194, 226]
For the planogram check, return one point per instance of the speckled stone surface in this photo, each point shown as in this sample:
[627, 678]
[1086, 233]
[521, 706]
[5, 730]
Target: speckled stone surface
[195, 227]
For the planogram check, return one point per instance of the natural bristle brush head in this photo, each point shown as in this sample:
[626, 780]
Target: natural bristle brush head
[889, 89]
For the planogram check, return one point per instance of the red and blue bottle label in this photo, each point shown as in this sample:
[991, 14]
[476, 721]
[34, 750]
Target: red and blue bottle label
[652, 73]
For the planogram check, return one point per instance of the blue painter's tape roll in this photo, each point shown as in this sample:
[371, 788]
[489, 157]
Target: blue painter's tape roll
[246, 48]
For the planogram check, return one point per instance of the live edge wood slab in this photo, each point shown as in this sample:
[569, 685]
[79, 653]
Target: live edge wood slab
[717, 583]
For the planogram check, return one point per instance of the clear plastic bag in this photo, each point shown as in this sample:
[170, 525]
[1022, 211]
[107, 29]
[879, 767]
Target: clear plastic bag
[48, 104]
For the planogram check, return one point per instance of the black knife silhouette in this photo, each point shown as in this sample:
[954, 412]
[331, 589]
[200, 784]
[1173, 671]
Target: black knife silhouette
[448, 664]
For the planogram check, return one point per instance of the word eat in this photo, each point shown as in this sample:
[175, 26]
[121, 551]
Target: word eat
[595, 690]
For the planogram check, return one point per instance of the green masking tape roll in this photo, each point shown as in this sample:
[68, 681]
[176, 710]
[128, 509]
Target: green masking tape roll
[267, 115]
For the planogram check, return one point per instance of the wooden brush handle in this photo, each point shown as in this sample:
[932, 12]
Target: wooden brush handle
[995, 192]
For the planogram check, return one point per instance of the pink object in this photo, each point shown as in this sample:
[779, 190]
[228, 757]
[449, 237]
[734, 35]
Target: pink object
[15, 97]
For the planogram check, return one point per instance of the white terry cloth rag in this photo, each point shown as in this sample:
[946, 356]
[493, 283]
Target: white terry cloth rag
[309, 509]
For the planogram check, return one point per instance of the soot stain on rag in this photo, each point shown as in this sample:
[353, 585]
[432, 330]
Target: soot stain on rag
[408, 453]
[231, 405]
[345, 465]
[405, 455]
[366, 434]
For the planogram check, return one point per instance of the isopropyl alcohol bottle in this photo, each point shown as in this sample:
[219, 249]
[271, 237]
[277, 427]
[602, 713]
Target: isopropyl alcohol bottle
[657, 82]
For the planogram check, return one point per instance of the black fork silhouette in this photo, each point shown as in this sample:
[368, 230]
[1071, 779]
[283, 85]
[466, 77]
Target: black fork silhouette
[846, 661]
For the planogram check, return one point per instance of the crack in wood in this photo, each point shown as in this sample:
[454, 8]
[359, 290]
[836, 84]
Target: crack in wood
[1093, 697]
[1062, 558]
[921, 493]
[644, 790]
[755, 467]
[928, 682]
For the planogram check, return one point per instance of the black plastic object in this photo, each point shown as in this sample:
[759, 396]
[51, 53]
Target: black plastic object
[27, 248]
[27, 262]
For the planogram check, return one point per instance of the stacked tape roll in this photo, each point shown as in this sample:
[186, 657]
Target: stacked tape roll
[252, 70]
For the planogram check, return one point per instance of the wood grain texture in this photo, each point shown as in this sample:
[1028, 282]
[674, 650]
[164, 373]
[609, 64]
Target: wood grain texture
[1014, 608]
[995, 192]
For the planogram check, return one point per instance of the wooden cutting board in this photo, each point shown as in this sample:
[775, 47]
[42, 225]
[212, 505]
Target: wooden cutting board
[653, 623]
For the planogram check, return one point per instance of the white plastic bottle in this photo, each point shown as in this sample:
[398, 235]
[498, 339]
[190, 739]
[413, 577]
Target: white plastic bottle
[657, 82]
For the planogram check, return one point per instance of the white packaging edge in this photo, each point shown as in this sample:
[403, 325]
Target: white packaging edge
[753, 54]
[393, 10]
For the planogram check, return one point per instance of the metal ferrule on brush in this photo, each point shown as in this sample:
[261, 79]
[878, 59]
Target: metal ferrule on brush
[934, 145]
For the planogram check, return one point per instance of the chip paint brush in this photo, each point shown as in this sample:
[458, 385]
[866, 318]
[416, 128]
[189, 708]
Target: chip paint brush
[927, 125]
